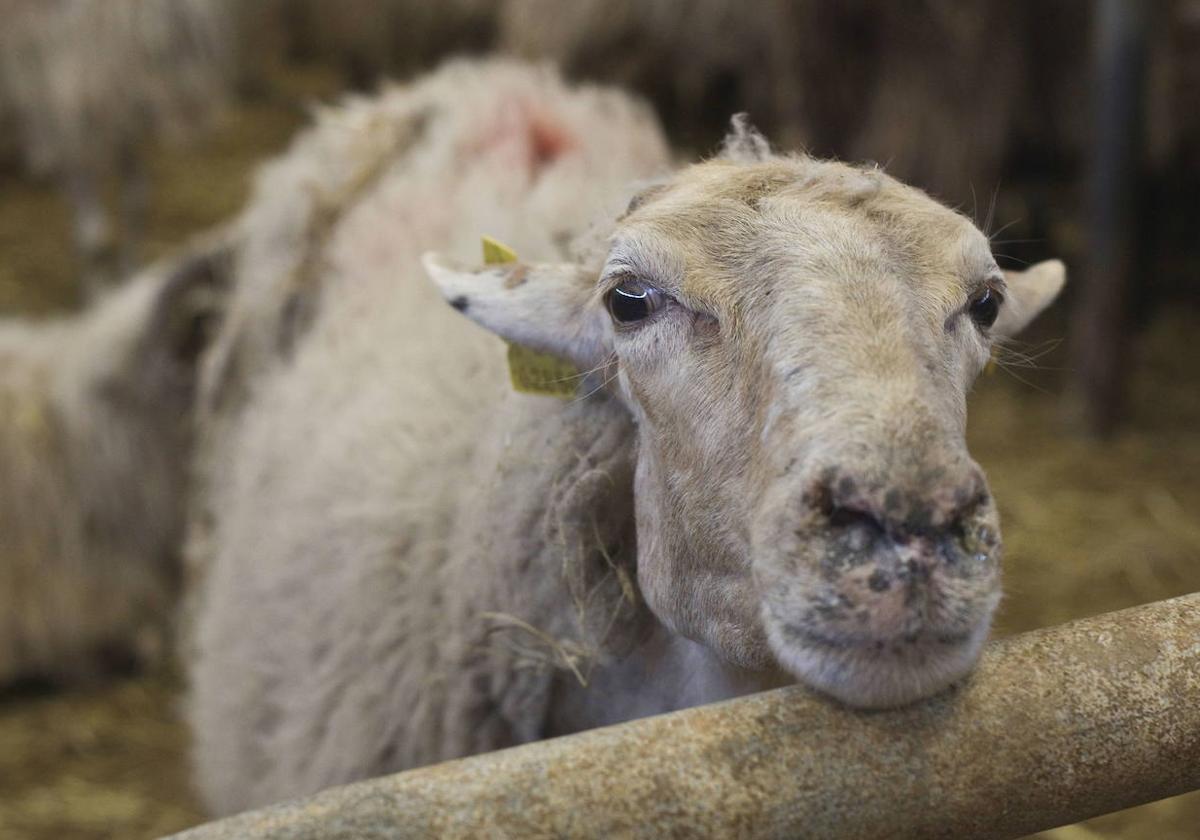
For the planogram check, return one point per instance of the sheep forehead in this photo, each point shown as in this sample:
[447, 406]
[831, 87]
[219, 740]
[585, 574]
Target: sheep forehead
[715, 227]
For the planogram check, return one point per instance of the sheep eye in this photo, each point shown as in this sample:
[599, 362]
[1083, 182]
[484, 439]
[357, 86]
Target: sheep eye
[985, 308]
[633, 301]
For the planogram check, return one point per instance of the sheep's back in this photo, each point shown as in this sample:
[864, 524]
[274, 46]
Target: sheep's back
[345, 405]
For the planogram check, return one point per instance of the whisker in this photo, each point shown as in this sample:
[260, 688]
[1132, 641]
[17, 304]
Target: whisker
[1034, 240]
[1008, 369]
[991, 214]
[1010, 356]
[995, 233]
[1011, 257]
[584, 374]
[1016, 345]
[603, 384]
[1010, 365]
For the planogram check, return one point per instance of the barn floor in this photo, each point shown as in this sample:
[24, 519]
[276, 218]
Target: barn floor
[1089, 527]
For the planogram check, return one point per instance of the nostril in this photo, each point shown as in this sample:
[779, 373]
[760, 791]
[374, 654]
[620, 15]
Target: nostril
[819, 498]
[945, 511]
[846, 517]
[972, 494]
[857, 529]
[959, 519]
[836, 499]
[862, 511]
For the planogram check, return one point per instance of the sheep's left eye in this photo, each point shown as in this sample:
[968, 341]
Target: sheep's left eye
[985, 307]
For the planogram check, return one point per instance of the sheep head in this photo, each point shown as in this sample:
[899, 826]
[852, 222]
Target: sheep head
[794, 340]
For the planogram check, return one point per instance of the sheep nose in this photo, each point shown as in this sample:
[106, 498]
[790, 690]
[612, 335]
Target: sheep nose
[915, 512]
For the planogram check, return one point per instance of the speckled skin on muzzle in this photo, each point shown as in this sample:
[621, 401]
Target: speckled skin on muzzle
[877, 611]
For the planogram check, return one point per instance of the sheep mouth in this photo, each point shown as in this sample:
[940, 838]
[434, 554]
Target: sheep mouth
[816, 639]
[877, 673]
[877, 619]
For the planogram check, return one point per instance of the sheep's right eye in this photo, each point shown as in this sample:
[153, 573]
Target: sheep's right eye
[633, 301]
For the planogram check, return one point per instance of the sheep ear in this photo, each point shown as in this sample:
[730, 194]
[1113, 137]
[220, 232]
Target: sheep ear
[546, 307]
[1029, 292]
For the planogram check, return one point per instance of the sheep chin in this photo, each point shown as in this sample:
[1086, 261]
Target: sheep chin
[875, 675]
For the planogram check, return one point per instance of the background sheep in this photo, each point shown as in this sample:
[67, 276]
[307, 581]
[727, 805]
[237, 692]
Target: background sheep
[87, 82]
[95, 432]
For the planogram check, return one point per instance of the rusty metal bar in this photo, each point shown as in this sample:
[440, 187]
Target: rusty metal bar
[1055, 726]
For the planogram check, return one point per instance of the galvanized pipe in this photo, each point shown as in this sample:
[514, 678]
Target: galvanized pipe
[1054, 727]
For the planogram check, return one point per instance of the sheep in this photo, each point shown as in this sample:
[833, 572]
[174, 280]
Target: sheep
[760, 476]
[88, 82]
[95, 431]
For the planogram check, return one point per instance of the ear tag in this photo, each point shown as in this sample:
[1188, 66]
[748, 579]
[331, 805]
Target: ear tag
[531, 371]
[496, 252]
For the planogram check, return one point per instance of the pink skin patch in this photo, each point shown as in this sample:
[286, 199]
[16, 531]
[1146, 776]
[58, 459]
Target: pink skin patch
[548, 140]
[525, 135]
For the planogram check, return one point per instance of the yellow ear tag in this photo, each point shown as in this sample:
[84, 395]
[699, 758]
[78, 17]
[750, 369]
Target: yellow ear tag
[532, 371]
[497, 253]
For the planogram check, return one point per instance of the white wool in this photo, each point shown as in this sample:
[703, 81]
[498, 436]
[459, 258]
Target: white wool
[344, 405]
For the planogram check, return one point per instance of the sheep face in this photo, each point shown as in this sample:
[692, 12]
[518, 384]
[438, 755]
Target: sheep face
[795, 340]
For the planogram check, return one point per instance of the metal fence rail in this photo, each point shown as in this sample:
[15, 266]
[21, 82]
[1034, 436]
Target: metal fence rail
[1055, 726]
